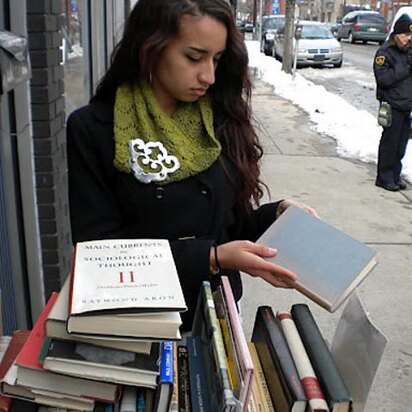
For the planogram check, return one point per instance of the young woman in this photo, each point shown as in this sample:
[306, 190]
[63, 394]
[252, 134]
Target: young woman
[166, 148]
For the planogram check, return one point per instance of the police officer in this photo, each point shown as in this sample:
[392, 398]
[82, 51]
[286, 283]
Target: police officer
[393, 74]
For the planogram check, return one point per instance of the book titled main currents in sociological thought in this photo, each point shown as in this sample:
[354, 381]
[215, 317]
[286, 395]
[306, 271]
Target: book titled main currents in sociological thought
[329, 263]
[125, 277]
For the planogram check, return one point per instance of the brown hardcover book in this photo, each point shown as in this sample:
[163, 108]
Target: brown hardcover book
[262, 401]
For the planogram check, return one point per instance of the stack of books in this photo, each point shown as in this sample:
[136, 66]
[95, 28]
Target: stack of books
[110, 341]
[107, 338]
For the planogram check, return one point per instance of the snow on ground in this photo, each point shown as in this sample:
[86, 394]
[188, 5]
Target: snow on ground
[355, 131]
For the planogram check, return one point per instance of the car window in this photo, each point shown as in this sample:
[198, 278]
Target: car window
[349, 19]
[273, 24]
[371, 18]
[316, 32]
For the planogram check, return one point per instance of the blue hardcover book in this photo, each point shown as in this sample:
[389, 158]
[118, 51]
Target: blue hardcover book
[108, 408]
[165, 387]
[199, 394]
[140, 403]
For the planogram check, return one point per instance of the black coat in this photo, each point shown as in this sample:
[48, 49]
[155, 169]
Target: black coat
[192, 213]
[393, 76]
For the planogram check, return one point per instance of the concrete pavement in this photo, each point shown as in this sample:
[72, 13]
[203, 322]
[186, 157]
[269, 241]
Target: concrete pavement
[301, 164]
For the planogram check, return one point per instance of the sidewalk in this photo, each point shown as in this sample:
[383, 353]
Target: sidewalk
[301, 164]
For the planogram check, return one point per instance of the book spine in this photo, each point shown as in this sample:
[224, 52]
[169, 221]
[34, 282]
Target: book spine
[183, 379]
[307, 375]
[166, 364]
[129, 399]
[325, 368]
[174, 403]
[198, 384]
[228, 401]
[72, 280]
[274, 354]
[240, 345]
[263, 400]
[140, 403]
[149, 396]
[5, 403]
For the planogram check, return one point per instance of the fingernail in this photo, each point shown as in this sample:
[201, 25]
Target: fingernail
[271, 250]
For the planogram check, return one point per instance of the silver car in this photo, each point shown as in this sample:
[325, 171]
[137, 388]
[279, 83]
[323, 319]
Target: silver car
[316, 47]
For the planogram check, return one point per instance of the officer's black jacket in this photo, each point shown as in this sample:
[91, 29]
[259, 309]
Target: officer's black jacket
[393, 76]
[192, 213]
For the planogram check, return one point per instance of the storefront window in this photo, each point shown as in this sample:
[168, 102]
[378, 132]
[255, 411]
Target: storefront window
[75, 53]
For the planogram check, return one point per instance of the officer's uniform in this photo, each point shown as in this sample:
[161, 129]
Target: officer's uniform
[393, 74]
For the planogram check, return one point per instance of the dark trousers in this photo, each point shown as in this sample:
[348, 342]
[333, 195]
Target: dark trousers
[392, 147]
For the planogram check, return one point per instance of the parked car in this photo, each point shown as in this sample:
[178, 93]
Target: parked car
[316, 47]
[363, 26]
[270, 26]
[240, 24]
[249, 27]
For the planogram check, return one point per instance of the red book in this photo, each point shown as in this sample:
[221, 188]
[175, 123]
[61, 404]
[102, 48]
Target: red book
[15, 345]
[29, 355]
[306, 373]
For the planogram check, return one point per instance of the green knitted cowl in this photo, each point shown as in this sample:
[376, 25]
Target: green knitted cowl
[152, 142]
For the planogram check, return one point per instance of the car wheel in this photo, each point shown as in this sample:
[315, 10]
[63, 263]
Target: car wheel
[350, 38]
[380, 43]
[339, 64]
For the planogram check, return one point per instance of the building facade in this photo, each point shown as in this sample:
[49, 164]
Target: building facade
[69, 43]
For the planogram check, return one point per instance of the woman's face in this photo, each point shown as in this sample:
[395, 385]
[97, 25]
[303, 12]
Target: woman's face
[186, 68]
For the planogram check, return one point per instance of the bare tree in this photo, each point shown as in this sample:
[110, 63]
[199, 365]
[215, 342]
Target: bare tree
[288, 39]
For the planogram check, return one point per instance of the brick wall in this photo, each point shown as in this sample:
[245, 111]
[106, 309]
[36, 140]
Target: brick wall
[44, 21]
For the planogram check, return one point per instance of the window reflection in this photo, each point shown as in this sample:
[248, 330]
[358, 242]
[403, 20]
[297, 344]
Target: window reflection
[75, 53]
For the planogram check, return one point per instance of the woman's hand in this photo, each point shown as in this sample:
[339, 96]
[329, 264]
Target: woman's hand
[284, 204]
[249, 257]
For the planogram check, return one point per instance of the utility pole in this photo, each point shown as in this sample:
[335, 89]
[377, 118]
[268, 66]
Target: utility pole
[289, 34]
[254, 13]
[260, 20]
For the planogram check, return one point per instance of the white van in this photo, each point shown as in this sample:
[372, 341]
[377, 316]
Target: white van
[402, 10]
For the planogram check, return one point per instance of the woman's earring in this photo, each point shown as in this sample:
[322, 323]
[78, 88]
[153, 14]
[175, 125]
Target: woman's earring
[150, 78]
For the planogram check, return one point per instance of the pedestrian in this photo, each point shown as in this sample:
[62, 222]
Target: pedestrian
[393, 74]
[166, 149]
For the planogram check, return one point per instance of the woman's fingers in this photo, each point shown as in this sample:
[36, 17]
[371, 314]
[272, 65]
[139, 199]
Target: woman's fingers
[250, 257]
[275, 280]
[289, 202]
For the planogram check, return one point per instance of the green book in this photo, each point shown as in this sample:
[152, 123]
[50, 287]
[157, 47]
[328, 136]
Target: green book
[336, 393]
[206, 325]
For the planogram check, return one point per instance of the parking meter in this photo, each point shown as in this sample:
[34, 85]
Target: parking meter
[298, 36]
[298, 32]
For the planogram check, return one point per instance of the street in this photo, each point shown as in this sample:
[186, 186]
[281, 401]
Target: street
[354, 81]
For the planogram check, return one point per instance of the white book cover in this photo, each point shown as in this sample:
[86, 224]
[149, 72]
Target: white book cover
[125, 275]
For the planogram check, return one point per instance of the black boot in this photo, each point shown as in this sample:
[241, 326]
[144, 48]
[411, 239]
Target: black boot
[393, 187]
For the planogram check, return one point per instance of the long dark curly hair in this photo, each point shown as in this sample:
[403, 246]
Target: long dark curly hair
[148, 30]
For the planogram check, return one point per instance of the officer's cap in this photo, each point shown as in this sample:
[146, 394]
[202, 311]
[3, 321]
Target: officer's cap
[403, 24]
